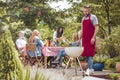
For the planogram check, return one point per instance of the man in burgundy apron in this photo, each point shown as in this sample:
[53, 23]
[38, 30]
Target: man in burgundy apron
[88, 34]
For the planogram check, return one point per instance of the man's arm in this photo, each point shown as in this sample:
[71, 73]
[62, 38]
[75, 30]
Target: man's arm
[95, 23]
[81, 32]
[96, 30]
[95, 33]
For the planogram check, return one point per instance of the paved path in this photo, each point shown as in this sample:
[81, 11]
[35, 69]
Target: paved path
[92, 78]
[68, 74]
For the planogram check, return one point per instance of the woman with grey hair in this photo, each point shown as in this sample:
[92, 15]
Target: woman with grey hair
[21, 44]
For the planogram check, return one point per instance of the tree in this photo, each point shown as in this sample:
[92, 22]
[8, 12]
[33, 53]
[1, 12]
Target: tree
[31, 12]
[10, 65]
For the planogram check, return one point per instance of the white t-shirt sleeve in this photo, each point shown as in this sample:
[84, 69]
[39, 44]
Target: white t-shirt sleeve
[55, 35]
[20, 43]
[82, 20]
[94, 19]
[42, 44]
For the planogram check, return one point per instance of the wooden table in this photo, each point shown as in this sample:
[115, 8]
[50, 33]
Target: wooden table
[50, 51]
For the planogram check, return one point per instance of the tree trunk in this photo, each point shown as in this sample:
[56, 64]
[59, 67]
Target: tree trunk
[106, 5]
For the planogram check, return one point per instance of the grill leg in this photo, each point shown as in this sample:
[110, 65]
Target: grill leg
[80, 67]
[75, 67]
[68, 63]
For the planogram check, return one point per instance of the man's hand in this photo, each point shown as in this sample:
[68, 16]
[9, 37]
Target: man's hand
[92, 41]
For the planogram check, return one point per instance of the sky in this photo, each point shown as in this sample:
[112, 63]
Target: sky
[60, 5]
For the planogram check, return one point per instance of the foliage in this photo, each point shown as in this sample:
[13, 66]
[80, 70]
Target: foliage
[31, 14]
[111, 44]
[114, 76]
[100, 46]
[100, 58]
[39, 76]
[101, 54]
[115, 40]
[27, 74]
[37, 14]
[11, 67]
[111, 62]
[45, 31]
[82, 58]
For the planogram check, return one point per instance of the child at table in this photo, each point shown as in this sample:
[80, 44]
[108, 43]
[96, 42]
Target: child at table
[62, 52]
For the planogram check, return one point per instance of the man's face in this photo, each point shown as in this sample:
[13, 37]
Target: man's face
[86, 11]
[21, 35]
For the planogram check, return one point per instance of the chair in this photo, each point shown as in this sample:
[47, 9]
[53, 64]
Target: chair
[32, 47]
[22, 57]
[74, 52]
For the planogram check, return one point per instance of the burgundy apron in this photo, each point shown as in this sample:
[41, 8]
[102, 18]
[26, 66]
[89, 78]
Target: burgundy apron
[88, 32]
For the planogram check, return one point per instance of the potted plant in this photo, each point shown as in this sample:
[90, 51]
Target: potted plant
[100, 56]
[83, 62]
[118, 67]
[99, 62]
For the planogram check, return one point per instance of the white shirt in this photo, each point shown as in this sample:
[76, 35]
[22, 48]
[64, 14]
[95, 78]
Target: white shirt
[21, 43]
[55, 35]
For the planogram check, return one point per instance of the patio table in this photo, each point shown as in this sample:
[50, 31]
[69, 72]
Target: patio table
[50, 51]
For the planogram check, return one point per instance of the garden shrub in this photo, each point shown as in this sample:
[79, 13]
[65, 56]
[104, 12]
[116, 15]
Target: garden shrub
[111, 63]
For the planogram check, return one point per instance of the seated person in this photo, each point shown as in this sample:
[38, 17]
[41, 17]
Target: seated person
[58, 36]
[47, 43]
[62, 52]
[36, 38]
[21, 44]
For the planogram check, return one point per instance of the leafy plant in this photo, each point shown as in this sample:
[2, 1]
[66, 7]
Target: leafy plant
[100, 58]
[10, 65]
[111, 62]
[27, 74]
[101, 54]
[82, 58]
[114, 76]
[39, 76]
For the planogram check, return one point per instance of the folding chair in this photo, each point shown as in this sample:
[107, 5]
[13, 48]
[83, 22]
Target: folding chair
[32, 47]
[74, 52]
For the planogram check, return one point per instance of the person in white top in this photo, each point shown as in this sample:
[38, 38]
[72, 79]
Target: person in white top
[21, 43]
[58, 36]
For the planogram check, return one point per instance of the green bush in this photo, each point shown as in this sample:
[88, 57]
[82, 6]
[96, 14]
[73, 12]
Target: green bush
[10, 65]
[114, 76]
[111, 63]
[39, 76]
[26, 75]
[100, 58]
